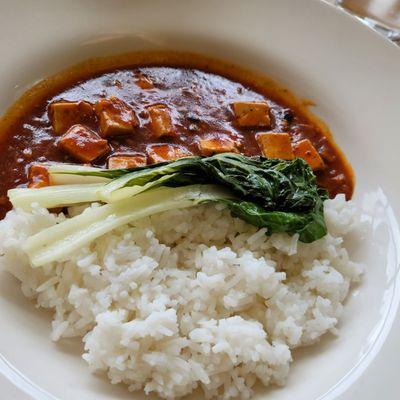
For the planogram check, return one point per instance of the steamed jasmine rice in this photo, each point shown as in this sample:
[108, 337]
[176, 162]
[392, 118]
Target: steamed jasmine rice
[190, 298]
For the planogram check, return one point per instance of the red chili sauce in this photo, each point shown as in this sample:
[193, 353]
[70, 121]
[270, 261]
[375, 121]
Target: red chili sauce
[136, 115]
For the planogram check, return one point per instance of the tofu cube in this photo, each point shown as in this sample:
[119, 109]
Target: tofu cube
[166, 152]
[275, 145]
[127, 161]
[305, 150]
[116, 117]
[160, 120]
[64, 114]
[251, 113]
[143, 82]
[217, 144]
[38, 176]
[83, 144]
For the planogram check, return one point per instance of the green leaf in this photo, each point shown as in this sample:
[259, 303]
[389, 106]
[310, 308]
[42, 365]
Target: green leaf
[279, 195]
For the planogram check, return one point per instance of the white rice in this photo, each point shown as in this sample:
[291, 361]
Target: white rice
[190, 297]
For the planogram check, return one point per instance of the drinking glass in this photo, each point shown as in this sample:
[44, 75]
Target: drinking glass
[382, 15]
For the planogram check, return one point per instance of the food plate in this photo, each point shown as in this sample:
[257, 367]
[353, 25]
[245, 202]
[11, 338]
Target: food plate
[350, 73]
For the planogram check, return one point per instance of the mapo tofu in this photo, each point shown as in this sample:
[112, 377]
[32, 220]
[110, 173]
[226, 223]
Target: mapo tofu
[131, 116]
[83, 144]
[127, 161]
[166, 152]
[64, 114]
[115, 117]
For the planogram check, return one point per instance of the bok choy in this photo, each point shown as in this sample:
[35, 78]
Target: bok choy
[279, 195]
[58, 241]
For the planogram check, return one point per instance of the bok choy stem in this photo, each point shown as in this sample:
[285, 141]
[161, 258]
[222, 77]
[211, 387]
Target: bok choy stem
[279, 195]
[55, 196]
[70, 174]
[59, 241]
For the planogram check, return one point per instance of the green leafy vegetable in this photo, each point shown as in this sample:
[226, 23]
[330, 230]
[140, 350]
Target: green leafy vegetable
[55, 196]
[66, 174]
[60, 240]
[279, 195]
[309, 225]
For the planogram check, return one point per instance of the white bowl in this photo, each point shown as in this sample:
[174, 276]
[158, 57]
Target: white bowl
[351, 73]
